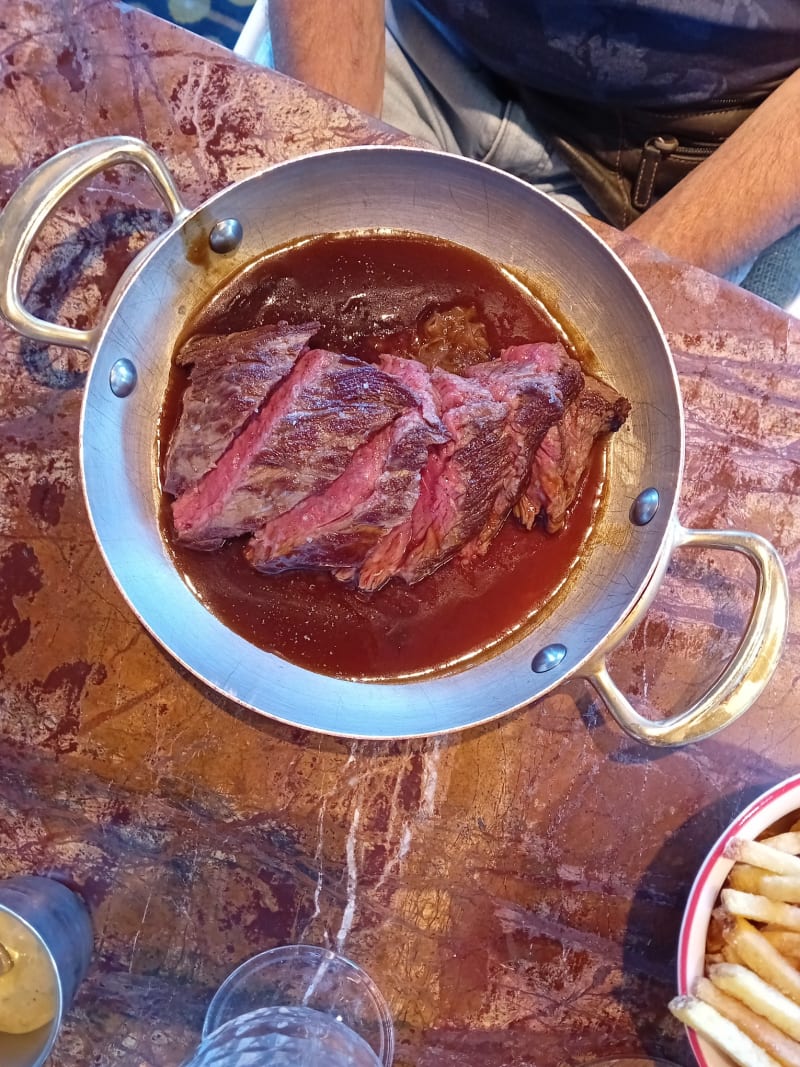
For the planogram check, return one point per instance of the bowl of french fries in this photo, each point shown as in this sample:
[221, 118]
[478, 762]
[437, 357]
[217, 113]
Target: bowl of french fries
[739, 946]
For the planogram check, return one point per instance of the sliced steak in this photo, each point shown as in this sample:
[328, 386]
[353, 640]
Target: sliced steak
[300, 441]
[416, 377]
[536, 382]
[386, 557]
[231, 377]
[337, 528]
[544, 355]
[459, 484]
[562, 459]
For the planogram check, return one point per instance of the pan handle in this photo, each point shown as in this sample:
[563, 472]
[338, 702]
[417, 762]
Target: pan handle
[748, 671]
[38, 196]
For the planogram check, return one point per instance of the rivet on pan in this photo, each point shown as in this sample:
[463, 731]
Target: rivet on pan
[644, 507]
[548, 657]
[225, 236]
[122, 378]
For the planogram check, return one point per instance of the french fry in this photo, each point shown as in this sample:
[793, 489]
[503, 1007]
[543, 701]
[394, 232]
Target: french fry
[721, 1032]
[758, 854]
[758, 995]
[727, 952]
[787, 942]
[765, 1035]
[756, 952]
[746, 878]
[788, 842]
[761, 909]
[749, 879]
[715, 938]
[781, 887]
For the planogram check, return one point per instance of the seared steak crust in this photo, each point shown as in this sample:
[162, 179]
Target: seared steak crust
[562, 459]
[460, 480]
[537, 382]
[231, 378]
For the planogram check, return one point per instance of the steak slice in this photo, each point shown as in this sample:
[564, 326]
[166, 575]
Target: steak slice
[384, 560]
[300, 441]
[231, 377]
[337, 528]
[562, 459]
[537, 382]
[416, 377]
[459, 484]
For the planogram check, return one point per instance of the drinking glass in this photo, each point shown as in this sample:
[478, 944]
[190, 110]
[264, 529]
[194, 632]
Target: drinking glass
[300, 1005]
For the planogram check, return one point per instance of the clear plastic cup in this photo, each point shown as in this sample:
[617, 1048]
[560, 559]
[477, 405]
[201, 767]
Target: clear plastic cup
[300, 1004]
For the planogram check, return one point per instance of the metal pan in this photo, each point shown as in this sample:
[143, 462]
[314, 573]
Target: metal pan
[494, 214]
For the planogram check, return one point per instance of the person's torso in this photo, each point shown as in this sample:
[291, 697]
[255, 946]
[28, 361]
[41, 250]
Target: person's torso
[644, 52]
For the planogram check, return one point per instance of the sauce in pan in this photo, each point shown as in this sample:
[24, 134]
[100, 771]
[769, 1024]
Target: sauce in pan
[370, 292]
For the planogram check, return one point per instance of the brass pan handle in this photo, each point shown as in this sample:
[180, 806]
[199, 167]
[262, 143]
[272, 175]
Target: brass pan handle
[750, 668]
[38, 196]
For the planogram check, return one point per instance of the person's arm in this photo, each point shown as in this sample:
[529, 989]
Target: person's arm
[334, 45]
[742, 198]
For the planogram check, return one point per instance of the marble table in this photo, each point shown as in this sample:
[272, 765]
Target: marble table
[516, 889]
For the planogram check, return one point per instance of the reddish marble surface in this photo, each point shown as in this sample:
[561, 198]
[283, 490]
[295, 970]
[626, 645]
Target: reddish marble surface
[516, 890]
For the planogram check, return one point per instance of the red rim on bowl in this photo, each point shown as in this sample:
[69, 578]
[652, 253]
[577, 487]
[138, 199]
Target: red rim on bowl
[753, 821]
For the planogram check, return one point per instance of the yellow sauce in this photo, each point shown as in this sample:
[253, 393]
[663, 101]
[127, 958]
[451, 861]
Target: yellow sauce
[28, 991]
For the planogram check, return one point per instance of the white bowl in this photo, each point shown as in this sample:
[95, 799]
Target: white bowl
[778, 802]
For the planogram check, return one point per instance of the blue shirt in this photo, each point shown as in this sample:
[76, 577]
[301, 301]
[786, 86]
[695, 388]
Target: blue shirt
[645, 52]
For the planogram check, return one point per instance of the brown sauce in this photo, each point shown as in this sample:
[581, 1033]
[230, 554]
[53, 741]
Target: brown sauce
[370, 292]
